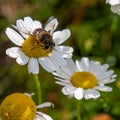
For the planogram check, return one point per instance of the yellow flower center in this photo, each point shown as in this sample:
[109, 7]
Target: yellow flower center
[84, 80]
[17, 106]
[32, 48]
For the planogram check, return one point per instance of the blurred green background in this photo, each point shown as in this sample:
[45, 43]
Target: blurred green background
[95, 33]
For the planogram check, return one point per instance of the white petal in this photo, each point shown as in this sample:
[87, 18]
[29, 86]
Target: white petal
[91, 93]
[29, 24]
[60, 36]
[33, 66]
[104, 88]
[68, 90]
[60, 74]
[63, 80]
[22, 59]
[62, 83]
[64, 91]
[94, 66]
[65, 49]
[44, 63]
[116, 9]
[45, 104]
[113, 2]
[43, 116]
[13, 52]
[71, 65]
[78, 93]
[106, 74]
[106, 81]
[113, 76]
[57, 59]
[51, 25]
[14, 36]
[84, 63]
[16, 52]
[21, 26]
[100, 69]
[37, 24]
[39, 117]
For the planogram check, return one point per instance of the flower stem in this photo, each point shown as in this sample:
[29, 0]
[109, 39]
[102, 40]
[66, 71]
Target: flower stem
[78, 111]
[38, 92]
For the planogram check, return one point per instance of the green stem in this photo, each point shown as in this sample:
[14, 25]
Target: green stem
[38, 92]
[78, 111]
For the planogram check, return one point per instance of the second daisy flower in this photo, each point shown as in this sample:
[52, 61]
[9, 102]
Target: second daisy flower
[84, 78]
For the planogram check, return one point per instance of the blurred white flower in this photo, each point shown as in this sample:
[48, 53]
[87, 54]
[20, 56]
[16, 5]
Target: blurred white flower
[84, 78]
[38, 45]
[115, 5]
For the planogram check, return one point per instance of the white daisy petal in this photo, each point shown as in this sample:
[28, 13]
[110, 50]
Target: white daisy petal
[64, 91]
[44, 116]
[63, 80]
[61, 75]
[47, 62]
[52, 24]
[66, 70]
[94, 66]
[14, 36]
[20, 25]
[116, 9]
[39, 117]
[100, 69]
[115, 5]
[33, 66]
[45, 65]
[84, 63]
[113, 76]
[16, 52]
[78, 93]
[95, 94]
[29, 24]
[91, 93]
[22, 59]
[60, 36]
[58, 59]
[65, 49]
[104, 88]
[13, 52]
[113, 2]
[106, 81]
[37, 24]
[71, 65]
[45, 104]
[62, 83]
[106, 74]
[68, 90]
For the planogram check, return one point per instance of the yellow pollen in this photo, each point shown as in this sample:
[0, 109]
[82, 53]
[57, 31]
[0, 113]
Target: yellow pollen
[32, 48]
[17, 106]
[84, 80]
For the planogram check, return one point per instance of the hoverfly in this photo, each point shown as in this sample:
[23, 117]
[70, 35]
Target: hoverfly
[43, 37]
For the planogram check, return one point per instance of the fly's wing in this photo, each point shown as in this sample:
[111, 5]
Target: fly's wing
[51, 24]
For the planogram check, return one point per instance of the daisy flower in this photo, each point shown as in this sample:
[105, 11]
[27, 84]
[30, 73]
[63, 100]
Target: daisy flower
[38, 45]
[19, 106]
[84, 78]
[115, 5]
